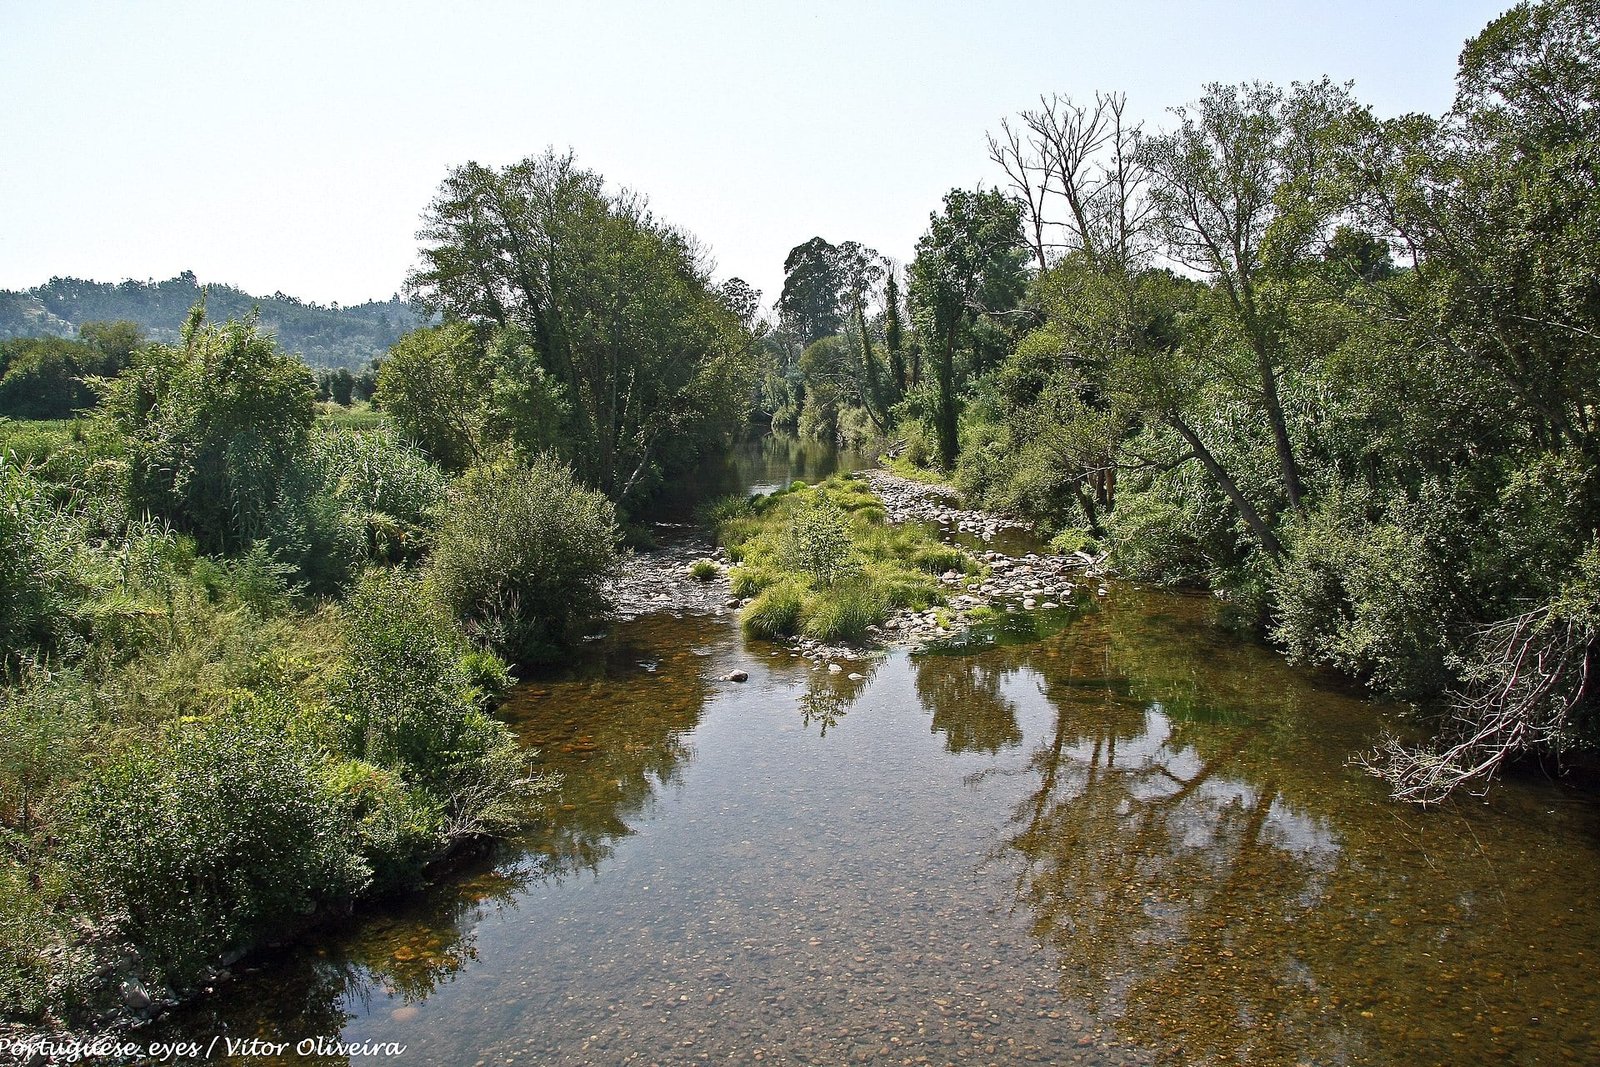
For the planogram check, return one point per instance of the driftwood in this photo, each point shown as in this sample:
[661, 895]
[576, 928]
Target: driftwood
[1530, 674]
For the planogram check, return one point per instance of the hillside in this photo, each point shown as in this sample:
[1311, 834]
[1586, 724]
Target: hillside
[322, 336]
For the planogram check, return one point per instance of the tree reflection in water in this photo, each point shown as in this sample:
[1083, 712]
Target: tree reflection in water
[1222, 888]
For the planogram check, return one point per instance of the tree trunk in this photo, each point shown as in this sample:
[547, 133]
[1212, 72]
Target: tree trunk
[945, 415]
[1224, 480]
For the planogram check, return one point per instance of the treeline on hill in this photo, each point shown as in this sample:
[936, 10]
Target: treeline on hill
[1340, 370]
[333, 337]
[250, 650]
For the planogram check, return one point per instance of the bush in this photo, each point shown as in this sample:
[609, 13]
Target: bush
[33, 559]
[704, 570]
[214, 428]
[1369, 598]
[817, 540]
[217, 835]
[520, 555]
[404, 697]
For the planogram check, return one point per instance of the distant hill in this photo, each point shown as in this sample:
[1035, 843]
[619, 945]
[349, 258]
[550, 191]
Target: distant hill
[323, 336]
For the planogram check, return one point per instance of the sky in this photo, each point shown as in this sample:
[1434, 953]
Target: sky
[293, 146]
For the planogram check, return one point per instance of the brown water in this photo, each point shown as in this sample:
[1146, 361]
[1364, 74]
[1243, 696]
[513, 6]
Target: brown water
[1127, 837]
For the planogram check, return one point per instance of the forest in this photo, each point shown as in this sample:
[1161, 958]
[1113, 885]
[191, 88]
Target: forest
[325, 337]
[1338, 370]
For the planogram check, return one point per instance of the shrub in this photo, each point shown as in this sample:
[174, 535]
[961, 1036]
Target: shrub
[817, 541]
[216, 835]
[520, 555]
[1368, 598]
[1074, 539]
[214, 427]
[404, 696]
[33, 559]
[704, 570]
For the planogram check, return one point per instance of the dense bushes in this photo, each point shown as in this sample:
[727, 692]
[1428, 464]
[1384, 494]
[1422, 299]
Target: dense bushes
[519, 554]
[209, 838]
[214, 428]
[201, 744]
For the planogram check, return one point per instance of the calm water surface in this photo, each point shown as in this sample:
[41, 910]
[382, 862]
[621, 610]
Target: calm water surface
[1130, 839]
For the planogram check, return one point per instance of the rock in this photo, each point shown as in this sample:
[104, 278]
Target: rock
[854, 677]
[834, 668]
[135, 997]
[733, 602]
[1029, 602]
[736, 676]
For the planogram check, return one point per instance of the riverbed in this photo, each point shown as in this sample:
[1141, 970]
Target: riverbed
[1110, 833]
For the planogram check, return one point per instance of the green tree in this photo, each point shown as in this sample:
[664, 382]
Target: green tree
[436, 385]
[616, 305]
[1235, 187]
[213, 427]
[969, 268]
[811, 284]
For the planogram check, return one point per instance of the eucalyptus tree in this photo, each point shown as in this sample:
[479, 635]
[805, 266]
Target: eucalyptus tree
[811, 285]
[860, 269]
[969, 268]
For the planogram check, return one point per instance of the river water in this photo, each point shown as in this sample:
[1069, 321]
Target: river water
[1115, 835]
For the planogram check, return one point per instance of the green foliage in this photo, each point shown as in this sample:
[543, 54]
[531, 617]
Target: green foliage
[34, 557]
[1073, 540]
[216, 833]
[435, 386]
[820, 560]
[1369, 598]
[519, 556]
[817, 542]
[971, 258]
[213, 428]
[703, 570]
[645, 359]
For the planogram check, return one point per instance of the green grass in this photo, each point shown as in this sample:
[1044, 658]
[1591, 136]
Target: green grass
[358, 416]
[906, 469]
[821, 561]
[35, 440]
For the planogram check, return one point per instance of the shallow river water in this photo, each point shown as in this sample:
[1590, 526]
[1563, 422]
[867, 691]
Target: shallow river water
[1123, 836]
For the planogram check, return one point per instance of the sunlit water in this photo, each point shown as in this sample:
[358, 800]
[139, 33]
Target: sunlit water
[1131, 838]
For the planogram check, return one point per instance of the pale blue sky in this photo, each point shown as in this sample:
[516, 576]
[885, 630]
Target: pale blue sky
[292, 146]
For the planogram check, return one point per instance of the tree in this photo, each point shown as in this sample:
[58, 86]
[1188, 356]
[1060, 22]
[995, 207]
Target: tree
[1236, 200]
[213, 426]
[616, 305]
[435, 385]
[969, 267]
[811, 284]
[859, 271]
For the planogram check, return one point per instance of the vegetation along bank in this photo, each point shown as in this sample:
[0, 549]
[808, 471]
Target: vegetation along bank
[1336, 368]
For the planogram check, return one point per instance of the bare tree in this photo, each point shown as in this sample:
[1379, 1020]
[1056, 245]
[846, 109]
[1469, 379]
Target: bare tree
[1082, 158]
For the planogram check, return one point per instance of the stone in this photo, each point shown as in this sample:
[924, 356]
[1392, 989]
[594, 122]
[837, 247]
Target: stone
[135, 997]
[736, 676]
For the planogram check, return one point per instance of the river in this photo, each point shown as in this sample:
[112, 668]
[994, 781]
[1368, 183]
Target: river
[1131, 837]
